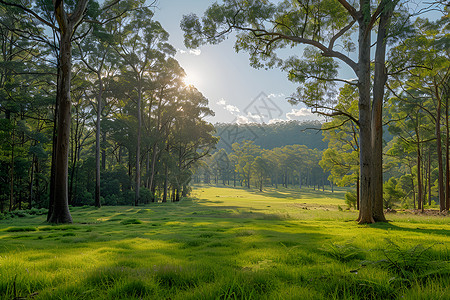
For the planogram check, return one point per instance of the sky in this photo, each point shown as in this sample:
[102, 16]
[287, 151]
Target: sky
[236, 91]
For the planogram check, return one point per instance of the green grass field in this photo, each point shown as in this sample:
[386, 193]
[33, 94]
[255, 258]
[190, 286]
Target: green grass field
[227, 243]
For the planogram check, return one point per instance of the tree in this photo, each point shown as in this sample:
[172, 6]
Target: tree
[265, 28]
[141, 42]
[424, 86]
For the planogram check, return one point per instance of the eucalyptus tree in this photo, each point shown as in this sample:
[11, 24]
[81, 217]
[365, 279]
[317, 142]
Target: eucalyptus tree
[323, 26]
[246, 153]
[191, 137]
[141, 42]
[162, 108]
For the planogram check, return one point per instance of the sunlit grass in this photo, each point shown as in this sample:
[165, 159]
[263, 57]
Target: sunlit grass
[224, 244]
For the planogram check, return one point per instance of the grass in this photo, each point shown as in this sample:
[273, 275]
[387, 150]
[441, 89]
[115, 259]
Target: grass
[226, 243]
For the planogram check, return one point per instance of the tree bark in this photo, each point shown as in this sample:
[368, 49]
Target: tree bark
[67, 22]
[365, 154]
[377, 115]
[97, 141]
[11, 177]
[60, 213]
[447, 161]
[439, 154]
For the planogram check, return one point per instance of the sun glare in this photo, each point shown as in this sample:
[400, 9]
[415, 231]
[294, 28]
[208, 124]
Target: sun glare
[190, 79]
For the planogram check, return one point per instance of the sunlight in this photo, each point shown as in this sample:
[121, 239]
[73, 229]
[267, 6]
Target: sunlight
[191, 79]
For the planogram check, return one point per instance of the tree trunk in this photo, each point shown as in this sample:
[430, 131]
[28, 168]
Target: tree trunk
[60, 203]
[53, 166]
[366, 157]
[11, 176]
[447, 161]
[152, 166]
[419, 176]
[138, 145]
[299, 178]
[60, 212]
[429, 176]
[377, 115]
[97, 141]
[30, 187]
[166, 183]
[104, 151]
[439, 154]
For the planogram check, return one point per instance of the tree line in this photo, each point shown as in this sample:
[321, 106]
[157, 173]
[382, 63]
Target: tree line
[249, 165]
[105, 120]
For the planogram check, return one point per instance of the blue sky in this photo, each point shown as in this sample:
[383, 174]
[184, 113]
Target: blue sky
[224, 76]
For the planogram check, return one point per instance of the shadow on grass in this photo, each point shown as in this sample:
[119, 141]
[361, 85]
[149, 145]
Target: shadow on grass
[390, 226]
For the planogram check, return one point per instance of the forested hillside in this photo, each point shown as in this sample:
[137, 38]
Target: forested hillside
[270, 136]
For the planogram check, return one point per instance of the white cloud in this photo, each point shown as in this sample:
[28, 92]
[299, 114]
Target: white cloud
[232, 109]
[254, 118]
[242, 120]
[302, 114]
[221, 102]
[273, 95]
[195, 52]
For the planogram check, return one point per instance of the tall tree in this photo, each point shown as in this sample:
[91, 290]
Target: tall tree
[141, 42]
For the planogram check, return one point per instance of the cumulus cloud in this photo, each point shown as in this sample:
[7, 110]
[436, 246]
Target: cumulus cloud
[221, 102]
[302, 114]
[242, 120]
[232, 109]
[195, 52]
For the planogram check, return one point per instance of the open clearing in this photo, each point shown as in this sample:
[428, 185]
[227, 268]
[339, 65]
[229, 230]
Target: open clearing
[226, 243]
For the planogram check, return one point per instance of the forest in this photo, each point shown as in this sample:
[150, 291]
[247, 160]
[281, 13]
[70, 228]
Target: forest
[116, 184]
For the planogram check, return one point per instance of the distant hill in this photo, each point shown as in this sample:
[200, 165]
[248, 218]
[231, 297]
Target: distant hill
[270, 136]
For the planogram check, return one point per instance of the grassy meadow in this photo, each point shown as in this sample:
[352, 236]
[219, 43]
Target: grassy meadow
[226, 243]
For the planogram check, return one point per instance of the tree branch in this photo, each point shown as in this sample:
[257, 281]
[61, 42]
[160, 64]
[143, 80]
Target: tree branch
[29, 11]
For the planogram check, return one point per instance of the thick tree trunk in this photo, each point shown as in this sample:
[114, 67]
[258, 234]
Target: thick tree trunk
[365, 211]
[60, 212]
[377, 115]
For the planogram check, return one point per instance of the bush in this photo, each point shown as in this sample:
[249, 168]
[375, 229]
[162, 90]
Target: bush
[145, 195]
[350, 199]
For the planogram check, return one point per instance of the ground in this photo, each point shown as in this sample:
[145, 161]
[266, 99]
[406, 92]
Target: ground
[227, 243]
